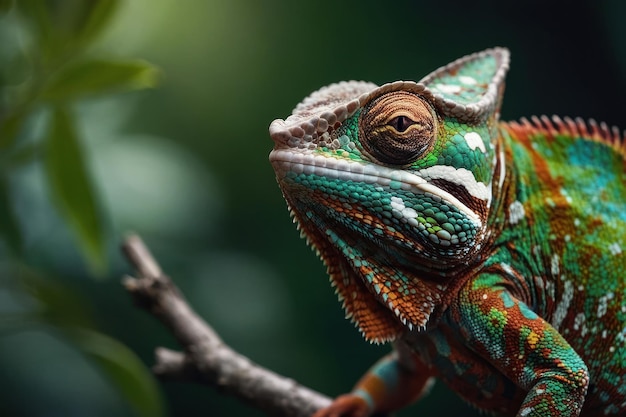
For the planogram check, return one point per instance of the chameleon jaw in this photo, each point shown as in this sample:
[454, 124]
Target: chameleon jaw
[308, 162]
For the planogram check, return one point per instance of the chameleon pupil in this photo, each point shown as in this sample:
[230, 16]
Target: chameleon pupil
[401, 123]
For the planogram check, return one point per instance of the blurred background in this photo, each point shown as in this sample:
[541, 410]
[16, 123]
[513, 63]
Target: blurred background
[151, 116]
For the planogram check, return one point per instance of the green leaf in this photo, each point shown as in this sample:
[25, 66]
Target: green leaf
[94, 76]
[58, 303]
[98, 15]
[62, 28]
[123, 368]
[20, 155]
[36, 12]
[10, 127]
[5, 6]
[71, 187]
[9, 229]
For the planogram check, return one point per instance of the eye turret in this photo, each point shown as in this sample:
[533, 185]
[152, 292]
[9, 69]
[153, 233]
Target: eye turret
[397, 128]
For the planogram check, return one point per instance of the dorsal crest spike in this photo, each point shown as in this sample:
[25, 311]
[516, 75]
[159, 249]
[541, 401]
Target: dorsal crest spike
[578, 127]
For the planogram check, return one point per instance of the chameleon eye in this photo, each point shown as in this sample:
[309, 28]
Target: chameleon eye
[397, 128]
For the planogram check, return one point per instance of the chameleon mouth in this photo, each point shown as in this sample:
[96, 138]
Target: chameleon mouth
[309, 163]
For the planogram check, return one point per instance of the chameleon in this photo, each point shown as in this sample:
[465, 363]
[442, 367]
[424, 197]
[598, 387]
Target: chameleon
[489, 254]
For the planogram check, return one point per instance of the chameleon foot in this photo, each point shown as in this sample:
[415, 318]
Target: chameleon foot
[347, 405]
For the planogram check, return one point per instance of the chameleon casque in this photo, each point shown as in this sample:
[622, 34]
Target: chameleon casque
[492, 254]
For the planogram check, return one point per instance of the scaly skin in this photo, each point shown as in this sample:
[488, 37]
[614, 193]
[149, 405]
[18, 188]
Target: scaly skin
[491, 253]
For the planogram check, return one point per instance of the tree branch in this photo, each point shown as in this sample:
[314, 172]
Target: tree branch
[206, 358]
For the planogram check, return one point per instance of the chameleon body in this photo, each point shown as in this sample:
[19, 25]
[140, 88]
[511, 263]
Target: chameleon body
[491, 254]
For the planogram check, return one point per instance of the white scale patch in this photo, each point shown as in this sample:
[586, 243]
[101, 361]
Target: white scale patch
[567, 197]
[579, 322]
[554, 265]
[526, 411]
[459, 176]
[467, 80]
[397, 204]
[516, 212]
[550, 289]
[615, 248]
[502, 169]
[603, 304]
[507, 269]
[621, 336]
[447, 88]
[563, 306]
[400, 211]
[474, 140]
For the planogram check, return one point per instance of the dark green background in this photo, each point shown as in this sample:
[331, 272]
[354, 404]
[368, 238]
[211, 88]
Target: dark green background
[185, 166]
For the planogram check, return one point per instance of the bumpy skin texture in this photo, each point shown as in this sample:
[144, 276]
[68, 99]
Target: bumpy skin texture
[490, 253]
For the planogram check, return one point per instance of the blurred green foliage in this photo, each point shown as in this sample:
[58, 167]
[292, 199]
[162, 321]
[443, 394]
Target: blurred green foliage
[59, 72]
[44, 74]
[85, 157]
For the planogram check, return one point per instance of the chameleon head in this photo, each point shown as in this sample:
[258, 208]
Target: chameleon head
[392, 185]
